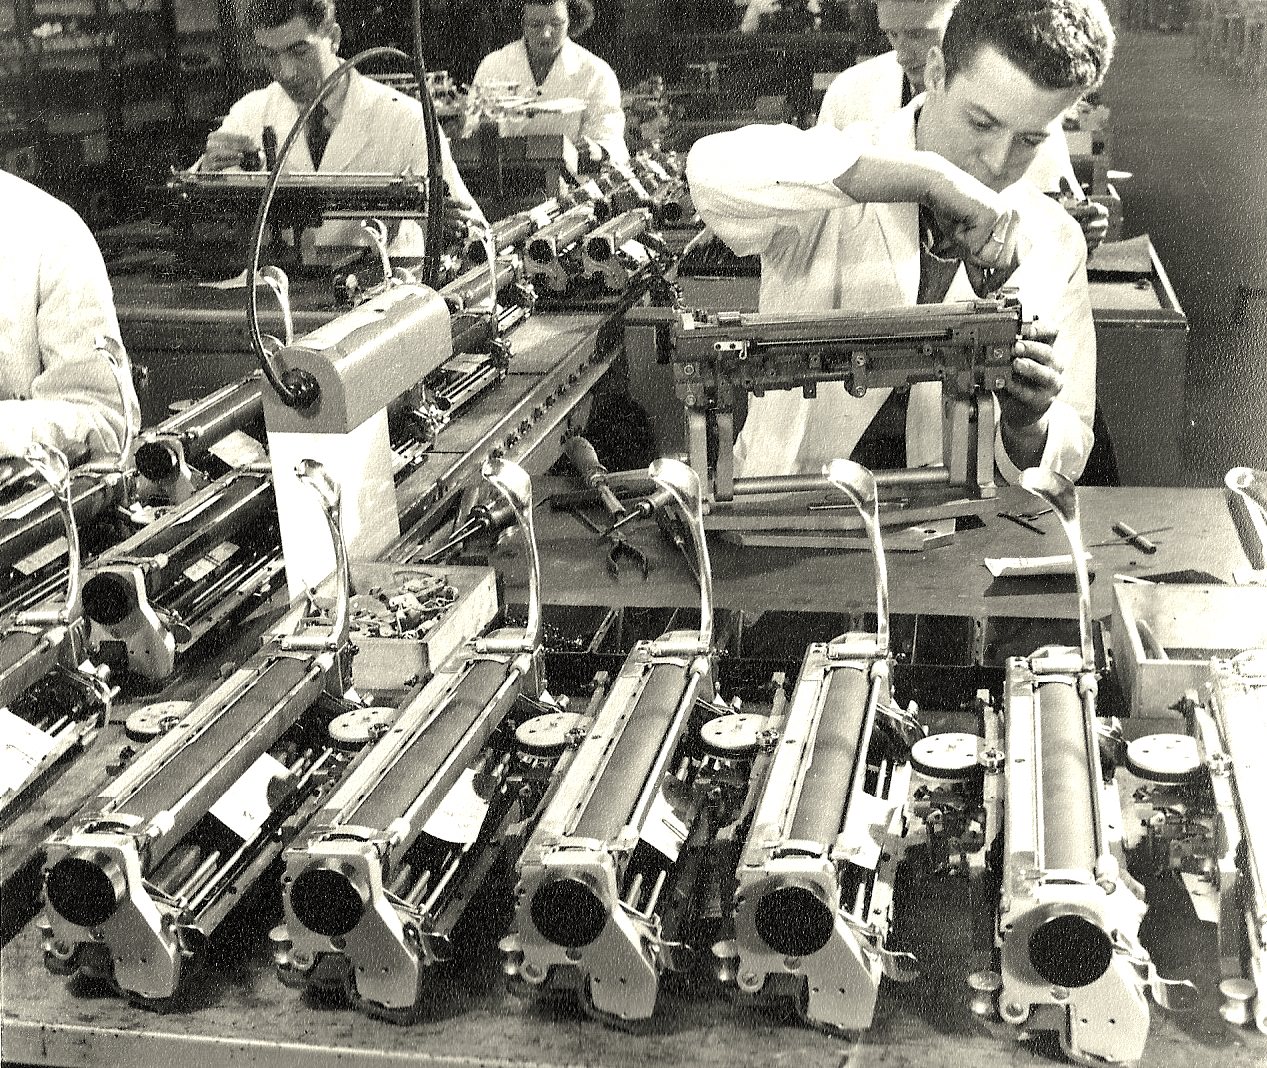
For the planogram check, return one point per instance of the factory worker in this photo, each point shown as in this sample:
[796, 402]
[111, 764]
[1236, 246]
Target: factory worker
[837, 220]
[547, 61]
[361, 127]
[875, 88]
[55, 301]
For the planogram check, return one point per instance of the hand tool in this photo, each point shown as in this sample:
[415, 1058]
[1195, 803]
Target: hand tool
[585, 459]
[495, 516]
[620, 546]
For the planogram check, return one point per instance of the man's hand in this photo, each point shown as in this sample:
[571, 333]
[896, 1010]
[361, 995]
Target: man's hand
[1094, 220]
[984, 231]
[461, 217]
[225, 150]
[1037, 379]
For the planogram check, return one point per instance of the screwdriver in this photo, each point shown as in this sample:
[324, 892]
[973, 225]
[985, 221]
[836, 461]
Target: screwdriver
[1133, 537]
[495, 516]
[642, 508]
[581, 453]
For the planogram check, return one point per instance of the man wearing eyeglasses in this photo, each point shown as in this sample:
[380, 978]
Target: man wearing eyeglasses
[548, 62]
[361, 127]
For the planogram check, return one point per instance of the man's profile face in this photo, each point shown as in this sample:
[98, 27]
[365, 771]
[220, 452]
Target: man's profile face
[912, 29]
[299, 55]
[991, 119]
[545, 29]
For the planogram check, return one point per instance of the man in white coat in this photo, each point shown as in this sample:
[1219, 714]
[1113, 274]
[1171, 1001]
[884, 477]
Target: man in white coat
[877, 87]
[836, 218]
[55, 301]
[546, 61]
[362, 126]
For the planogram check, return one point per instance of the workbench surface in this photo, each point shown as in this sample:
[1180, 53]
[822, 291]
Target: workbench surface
[1194, 533]
[237, 1012]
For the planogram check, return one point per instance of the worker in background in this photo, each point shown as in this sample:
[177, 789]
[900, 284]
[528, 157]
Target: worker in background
[548, 61]
[877, 87]
[56, 388]
[361, 127]
[925, 208]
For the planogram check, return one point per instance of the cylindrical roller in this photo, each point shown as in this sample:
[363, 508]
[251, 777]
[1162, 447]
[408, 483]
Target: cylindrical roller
[567, 912]
[613, 799]
[505, 234]
[328, 901]
[199, 426]
[561, 233]
[1070, 950]
[793, 920]
[476, 286]
[1068, 814]
[820, 812]
[85, 889]
[90, 494]
[611, 235]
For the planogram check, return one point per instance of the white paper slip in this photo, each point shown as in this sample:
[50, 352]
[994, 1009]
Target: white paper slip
[664, 829]
[1029, 566]
[238, 449]
[246, 804]
[866, 830]
[22, 747]
[460, 815]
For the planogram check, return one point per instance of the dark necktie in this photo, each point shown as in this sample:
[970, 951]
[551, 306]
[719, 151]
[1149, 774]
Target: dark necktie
[318, 135]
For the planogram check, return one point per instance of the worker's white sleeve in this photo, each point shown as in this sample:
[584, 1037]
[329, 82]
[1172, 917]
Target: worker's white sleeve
[751, 183]
[604, 121]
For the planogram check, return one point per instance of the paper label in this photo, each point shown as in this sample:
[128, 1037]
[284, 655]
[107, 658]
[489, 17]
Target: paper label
[46, 554]
[246, 805]
[460, 815]
[540, 216]
[218, 556]
[22, 747]
[866, 830]
[664, 830]
[238, 449]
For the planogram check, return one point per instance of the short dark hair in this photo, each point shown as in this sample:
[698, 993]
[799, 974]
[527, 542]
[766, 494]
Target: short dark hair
[1060, 44]
[580, 14]
[269, 14]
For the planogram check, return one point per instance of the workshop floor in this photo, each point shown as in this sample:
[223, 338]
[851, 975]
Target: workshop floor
[1196, 142]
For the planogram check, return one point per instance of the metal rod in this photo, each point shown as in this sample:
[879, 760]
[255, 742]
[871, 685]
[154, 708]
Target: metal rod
[654, 899]
[201, 872]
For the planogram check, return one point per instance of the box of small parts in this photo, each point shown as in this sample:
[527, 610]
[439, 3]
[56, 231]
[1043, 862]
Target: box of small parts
[1165, 635]
[405, 620]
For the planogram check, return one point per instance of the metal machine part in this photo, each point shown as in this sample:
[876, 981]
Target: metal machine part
[1205, 789]
[377, 881]
[615, 252]
[52, 700]
[812, 906]
[717, 356]
[151, 867]
[155, 595]
[1068, 917]
[1247, 490]
[605, 881]
[545, 250]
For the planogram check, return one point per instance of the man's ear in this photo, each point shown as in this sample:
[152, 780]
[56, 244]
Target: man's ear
[336, 35]
[935, 70]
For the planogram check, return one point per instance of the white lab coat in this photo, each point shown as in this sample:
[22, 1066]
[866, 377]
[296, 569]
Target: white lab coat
[872, 90]
[379, 131]
[578, 74]
[769, 190]
[55, 300]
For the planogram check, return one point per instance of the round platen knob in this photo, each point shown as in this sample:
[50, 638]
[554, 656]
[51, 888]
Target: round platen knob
[149, 722]
[360, 726]
[732, 736]
[85, 888]
[952, 756]
[1165, 758]
[547, 734]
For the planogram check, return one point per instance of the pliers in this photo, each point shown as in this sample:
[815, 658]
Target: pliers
[620, 547]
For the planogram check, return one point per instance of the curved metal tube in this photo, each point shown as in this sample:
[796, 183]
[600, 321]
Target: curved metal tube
[377, 231]
[512, 482]
[112, 348]
[314, 475]
[51, 465]
[1251, 486]
[1062, 495]
[682, 483]
[276, 280]
[859, 485]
